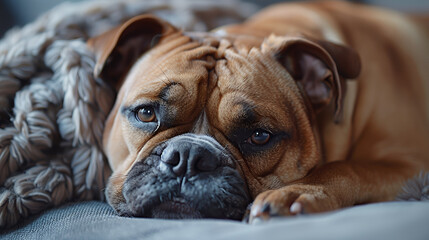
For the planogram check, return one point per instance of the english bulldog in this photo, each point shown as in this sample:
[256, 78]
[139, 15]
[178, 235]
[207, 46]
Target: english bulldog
[303, 108]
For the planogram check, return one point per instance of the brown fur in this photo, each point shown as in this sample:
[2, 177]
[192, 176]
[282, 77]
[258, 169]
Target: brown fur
[381, 134]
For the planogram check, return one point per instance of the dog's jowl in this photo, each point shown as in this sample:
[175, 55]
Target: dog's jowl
[303, 108]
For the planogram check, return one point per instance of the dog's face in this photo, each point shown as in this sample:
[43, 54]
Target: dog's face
[200, 127]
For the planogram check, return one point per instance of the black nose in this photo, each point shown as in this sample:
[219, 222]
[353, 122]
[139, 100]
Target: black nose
[190, 155]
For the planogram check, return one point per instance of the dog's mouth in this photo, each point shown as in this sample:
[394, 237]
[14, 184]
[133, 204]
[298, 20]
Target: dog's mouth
[189, 176]
[165, 186]
[155, 195]
[177, 208]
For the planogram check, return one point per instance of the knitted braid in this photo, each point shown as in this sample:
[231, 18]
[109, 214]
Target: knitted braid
[85, 106]
[41, 186]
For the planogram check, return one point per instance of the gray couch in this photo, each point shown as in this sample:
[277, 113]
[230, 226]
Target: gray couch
[96, 220]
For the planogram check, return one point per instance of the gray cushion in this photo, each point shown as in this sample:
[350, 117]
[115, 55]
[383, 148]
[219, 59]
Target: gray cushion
[96, 220]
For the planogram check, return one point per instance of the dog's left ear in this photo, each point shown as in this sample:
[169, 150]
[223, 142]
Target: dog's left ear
[117, 49]
[320, 67]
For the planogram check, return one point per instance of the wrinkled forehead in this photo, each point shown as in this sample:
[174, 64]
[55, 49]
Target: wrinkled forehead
[251, 86]
[178, 62]
[197, 76]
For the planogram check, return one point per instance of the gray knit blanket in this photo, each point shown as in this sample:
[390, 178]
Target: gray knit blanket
[52, 109]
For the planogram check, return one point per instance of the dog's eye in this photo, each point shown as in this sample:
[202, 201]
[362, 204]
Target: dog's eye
[146, 114]
[260, 137]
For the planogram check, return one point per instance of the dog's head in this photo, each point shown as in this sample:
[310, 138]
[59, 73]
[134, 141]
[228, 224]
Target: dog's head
[202, 125]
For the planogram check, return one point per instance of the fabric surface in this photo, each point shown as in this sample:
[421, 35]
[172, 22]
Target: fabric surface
[97, 220]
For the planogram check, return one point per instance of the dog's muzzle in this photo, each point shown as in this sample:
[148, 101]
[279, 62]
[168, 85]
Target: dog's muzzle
[188, 176]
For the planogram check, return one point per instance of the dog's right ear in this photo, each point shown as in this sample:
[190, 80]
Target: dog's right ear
[319, 67]
[117, 49]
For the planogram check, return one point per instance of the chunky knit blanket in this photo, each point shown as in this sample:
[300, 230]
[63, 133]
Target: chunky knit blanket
[52, 109]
